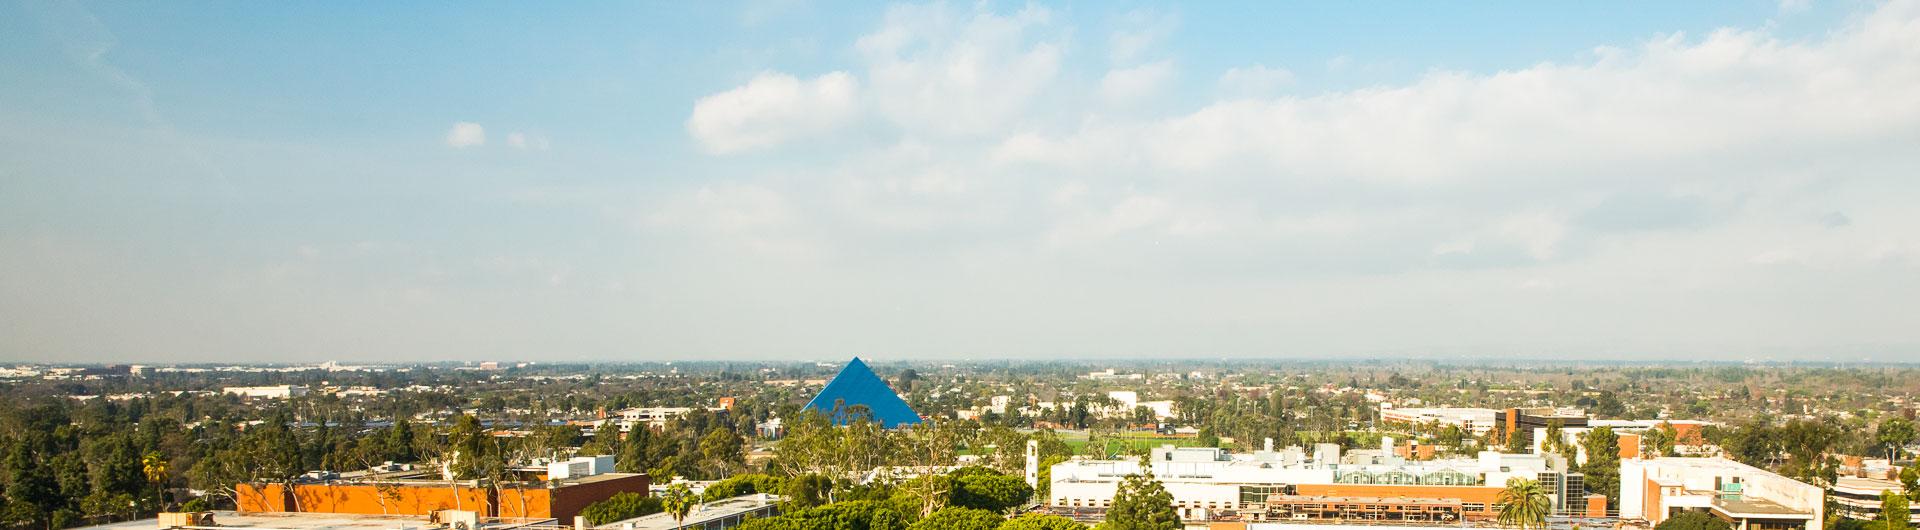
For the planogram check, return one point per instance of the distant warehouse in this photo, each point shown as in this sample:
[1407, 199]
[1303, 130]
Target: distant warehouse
[267, 392]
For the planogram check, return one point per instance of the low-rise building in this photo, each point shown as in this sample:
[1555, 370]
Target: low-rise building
[1631, 434]
[1273, 485]
[530, 493]
[1522, 422]
[267, 392]
[226, 520]
[652, 417]
[1475, 421]
[1859, 498]
[716, 515]
[1744, 496]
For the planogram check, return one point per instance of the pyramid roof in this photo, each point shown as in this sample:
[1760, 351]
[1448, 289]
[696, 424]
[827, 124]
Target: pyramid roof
[857, 385]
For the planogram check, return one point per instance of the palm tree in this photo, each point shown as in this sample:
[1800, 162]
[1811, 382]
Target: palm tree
[1524, 504]
[154, 467]
[678, 501]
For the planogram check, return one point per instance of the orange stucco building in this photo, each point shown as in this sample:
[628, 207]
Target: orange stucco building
[534, 499]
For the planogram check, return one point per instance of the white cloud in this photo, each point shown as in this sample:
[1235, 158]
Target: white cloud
[1673, 97]
[1254, 81]
[1140, 30]
[521, 140]
[937, 71]
[1127, 85]
[772, 109]
[466, 134]
[1710, 166]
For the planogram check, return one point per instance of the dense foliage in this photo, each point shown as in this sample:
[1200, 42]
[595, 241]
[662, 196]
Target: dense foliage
[875, 515]
[1035, 521]
[957, 518]
[621, 507]
[1693, 520]
[1141, 503]
[988, 490]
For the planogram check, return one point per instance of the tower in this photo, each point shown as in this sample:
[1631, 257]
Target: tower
[1033, 464]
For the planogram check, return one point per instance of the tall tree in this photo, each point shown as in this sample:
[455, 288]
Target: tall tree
[1894, 435]
[929, 447]
[154, 467]
[635, 455]
[1602, 469]
[678, 502]
[1894, 514]
[1659, 441]
[723, 451]
[400, 442]
[1142, 503]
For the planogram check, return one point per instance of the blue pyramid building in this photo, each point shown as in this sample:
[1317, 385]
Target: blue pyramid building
[857, 386]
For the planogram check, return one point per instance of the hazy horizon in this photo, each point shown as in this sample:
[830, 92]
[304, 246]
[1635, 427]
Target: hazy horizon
[779, 179]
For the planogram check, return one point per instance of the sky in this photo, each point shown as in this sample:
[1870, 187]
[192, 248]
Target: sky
[780, 179]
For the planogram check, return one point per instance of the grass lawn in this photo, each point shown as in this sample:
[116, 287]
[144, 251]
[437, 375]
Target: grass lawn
[1132, 442]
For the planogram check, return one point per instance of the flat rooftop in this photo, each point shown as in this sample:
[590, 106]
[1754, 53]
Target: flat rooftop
[314, 521]
[1423, 501]
[1867, 485]
[711, 511]
[1750, 506]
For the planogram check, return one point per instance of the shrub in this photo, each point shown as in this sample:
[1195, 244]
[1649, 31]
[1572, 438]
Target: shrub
[620, 507]
[1693, 521]
[956, 518]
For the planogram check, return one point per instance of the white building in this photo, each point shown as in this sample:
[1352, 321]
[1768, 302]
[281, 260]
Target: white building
[1110, 375]
[1129, 400]
[1859, 498]
[1747, 497]
[1204, 480]
[1475, 421]
[654, 417]
[1632, 435]
[267, 392]
[716, 515]
[580, 466]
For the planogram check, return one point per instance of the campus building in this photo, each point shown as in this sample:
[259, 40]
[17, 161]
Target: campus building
[1631, 434]
[717, 515]
[225, 520]
[1523, 421]
[556, 491]
[856, 388]
[1744, 496]
[1475, 421]
[1293, 484]
[1859, 498]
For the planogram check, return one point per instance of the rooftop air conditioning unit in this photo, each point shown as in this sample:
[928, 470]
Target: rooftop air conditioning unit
[460, 519]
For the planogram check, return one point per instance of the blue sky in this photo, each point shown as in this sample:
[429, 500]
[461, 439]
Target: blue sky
[786, 179]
